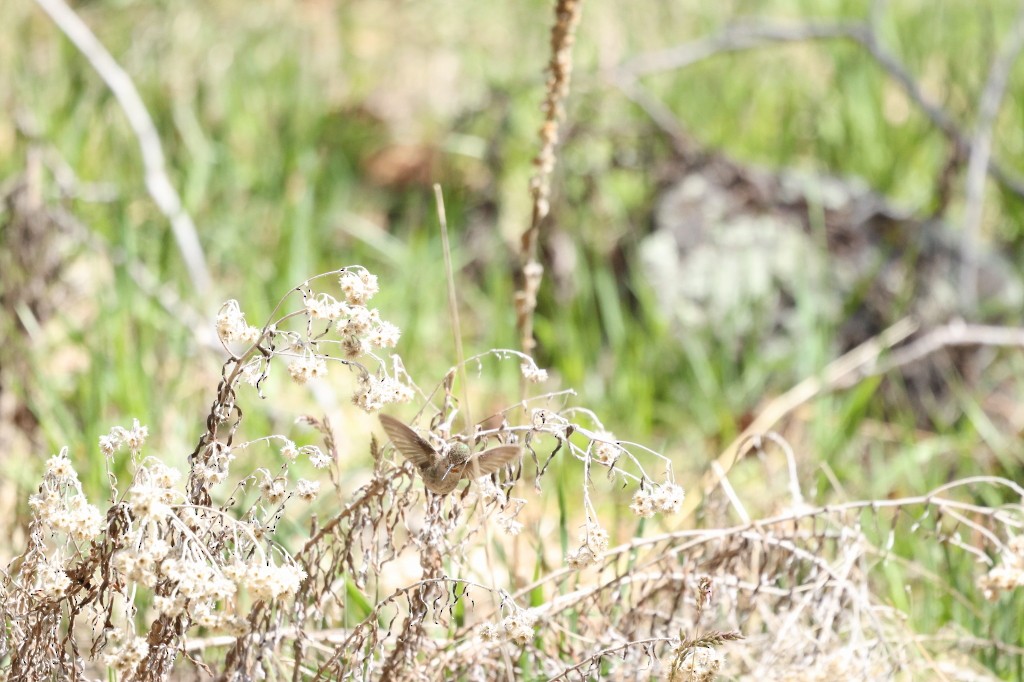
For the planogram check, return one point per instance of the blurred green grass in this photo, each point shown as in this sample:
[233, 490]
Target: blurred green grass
[277, 118]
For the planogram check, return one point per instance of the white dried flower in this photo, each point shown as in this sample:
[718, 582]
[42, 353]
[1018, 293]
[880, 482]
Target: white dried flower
[147, 501]
[386, 335]
[83, 521]
[231, 325]
[532, 373]
[324, 307]
[317, 457]
[642, 504]
[519, 627]
[268, 581]
[355, 346]
[43, 502]
[490, 633]
[580, 558]
[1016, 547]
[158, 548]
[604, 449]
[289, 451]
[230, 321]
[51, 579]
[373, 394]
[135, 438]
[171, 606]
[196, 580]
[250, 335]
[358, 288]
[252, 371]
[668, 498]
[162, 475]
[370, 284]
[595, 537]
[307, 367]
[109, 444]
[126, 657]
[274, 489]
[594, 543]
[217, 464]
[358, 322]
[204, 614]
[307, 490]
[1002, 578]
[59, 467]
[510, 525]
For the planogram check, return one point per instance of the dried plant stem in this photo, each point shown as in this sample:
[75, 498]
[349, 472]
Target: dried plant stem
[453, 303]
[157, 182]
[567, 17]
[954, 334]
[833, 376]
[848, 370]
[453, 310]
[596, 658]
[682, 541]
[981, 152]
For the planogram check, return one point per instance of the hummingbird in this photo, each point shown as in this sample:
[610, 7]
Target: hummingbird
[441, 472]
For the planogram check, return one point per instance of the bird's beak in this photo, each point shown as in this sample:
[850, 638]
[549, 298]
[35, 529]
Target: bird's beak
[452, 466]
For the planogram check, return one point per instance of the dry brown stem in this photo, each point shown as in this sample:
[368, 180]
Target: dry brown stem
[567, 17]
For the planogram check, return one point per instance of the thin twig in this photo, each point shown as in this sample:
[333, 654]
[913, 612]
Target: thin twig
[594, 658]
[157, 182]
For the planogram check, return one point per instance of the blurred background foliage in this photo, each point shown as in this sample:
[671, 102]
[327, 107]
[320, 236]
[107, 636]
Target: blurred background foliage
[305, 135]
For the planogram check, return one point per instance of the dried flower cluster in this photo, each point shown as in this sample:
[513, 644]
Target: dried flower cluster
[517, 628]
[60, 505]
[1008, 575]
[593, 544]
[176, 555]
[667, 498]
[396, 580]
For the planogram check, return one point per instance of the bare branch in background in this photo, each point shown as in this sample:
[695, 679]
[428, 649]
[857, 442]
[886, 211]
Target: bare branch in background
[737, 37]
[981, 151]
[954, 334]
[749, 36]
[159, 185]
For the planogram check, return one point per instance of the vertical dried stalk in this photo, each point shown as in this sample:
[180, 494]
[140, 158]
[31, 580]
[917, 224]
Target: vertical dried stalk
[567, 17]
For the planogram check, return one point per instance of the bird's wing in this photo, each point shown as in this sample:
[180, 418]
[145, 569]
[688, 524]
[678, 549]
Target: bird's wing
[405, 440]
[489, 461]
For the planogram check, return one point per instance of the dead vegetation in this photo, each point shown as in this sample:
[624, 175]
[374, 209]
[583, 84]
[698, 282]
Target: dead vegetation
[228, 571]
